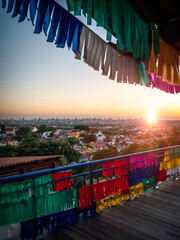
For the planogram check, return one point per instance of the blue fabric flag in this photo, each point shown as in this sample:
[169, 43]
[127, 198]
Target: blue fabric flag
[47, 18]
[3, 4]
[23, 10]
[34, 228]
[54, 24]
[17, 8]
[63, 26]
[33, 8]
[10, 5]
[43, 5]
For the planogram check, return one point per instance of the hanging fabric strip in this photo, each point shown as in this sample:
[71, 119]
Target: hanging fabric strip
[64, 184]
[16, 203]
[120, 19]
[142, 161]
[85, 196]
[35, 228]
[64, 28]
[168, 64]
[98, 54]
[156, 82]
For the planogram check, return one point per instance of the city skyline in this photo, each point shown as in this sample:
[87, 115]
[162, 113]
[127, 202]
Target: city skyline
[40, 80]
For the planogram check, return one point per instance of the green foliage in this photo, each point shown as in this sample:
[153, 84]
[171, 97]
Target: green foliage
[89, 138]
[82, 127]
[69, 153]
[8, 151]
[73, 141]
[49, 148]
[105, 153]
[29, 146]
[22, 132]
[133, 148]
[51, 134]
[43, 128]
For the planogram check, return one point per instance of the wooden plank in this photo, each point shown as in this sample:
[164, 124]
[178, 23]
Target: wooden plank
[159, 215]
[137, 223]
[139, 213]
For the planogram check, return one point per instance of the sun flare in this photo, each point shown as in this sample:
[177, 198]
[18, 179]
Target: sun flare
[151, 117]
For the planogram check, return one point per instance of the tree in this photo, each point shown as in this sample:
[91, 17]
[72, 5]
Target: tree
[42, 128]
[29, 146]
[51, 135]
[89, 138]
[8, 151]
[105, 153]
[22, 132]
[82, 127]
[49, 148]
[133, 148]
[73, 141]
[69, 153]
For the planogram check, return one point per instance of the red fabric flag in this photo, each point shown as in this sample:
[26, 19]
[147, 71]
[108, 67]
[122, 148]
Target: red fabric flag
[85, 196]
[109, 172]
[120, 167]
[161, 176]
[98, 190]
[64, 184]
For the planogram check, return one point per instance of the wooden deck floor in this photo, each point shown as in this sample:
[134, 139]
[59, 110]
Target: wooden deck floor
[155, 215]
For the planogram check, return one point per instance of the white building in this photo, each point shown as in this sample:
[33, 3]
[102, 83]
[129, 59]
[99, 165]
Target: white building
[100, 137]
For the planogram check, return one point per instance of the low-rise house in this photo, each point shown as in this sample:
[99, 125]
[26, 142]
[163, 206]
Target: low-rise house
[3, 143]
[100, 137]
[33, 129]
[10, 131]
[13, 143]
[3, 134]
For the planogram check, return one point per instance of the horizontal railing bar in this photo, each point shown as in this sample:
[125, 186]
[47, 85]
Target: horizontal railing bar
[47, 171]
[73, 176]
[102, 169]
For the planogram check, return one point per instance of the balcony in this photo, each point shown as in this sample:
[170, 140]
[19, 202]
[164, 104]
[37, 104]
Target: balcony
[133, 196]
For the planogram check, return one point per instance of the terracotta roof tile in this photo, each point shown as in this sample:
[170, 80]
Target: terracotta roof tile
[10, 161]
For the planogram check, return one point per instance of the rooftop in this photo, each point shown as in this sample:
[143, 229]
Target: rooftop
[11, 161]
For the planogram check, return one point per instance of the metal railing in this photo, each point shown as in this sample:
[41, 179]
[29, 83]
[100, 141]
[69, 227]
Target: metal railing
[91, 164]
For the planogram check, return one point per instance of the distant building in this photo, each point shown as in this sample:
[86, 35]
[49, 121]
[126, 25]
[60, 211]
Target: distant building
[3, 134]
[74, 134]
[10, 131]
[3, 143]
[33, 129]
[13, 143]
[100, 137]
[46, 134]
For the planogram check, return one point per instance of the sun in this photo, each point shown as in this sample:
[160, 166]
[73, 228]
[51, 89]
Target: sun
[151, 117]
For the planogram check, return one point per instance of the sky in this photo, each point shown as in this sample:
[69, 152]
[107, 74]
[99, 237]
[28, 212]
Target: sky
[39, 80]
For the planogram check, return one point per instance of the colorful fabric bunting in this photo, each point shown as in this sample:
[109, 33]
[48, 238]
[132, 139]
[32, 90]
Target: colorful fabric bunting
[59, 25]
[33, 228]
[64, 184]
[120, 19]
[85, 196]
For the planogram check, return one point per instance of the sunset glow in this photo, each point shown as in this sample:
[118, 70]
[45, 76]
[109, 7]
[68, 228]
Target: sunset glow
[151, 117]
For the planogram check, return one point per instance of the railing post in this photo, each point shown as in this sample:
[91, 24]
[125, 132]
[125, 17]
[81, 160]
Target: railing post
[84, 180]
[174, 154]
[91, 173]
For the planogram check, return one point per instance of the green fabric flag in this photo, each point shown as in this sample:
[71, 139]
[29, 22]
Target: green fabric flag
[15, 204]
[29, 199]
[43, 185]
[147, 183]
[143, 78]
[177, 153]
[120, 19]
